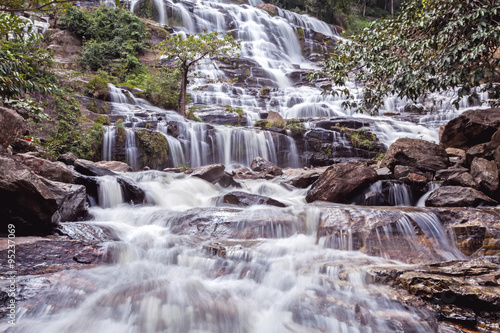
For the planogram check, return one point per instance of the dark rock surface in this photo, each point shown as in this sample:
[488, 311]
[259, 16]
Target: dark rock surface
[486, 174]
[246, 199]
[260, 164]
[56, 171]
[302, 178]
[71, 200]
[89, 168]
[211, 173]
[11, 126]
[421, 154]
[471, 128]
[115, 166]
[457, 196]
[341, 181]
[132, 193]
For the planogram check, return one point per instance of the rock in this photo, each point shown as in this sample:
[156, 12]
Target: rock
[261, 165]
[211, 173]
[374, 198]
[463, 179]
[401, 171]
[457, 196]
[91, 184]
[56, 171]
[416, 178]
[25, 201]
[173, 170]
[341, 181]
[227, 180]
[463, 291]
[486, 174]
[131, 192]
[423, 155]
[447, 173]
[115, 166]
[383, 172]
[20, 146]
[246, 199]
[89, 168]
[471, 128]
[302, 178]
[71, 200]
[270, 8]
[455, 152]
[68, 158]
[11, 126]
[275, 118]
[484, 150]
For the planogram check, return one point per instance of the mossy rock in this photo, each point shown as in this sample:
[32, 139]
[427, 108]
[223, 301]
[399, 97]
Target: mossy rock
[363, 139]
[153, 149]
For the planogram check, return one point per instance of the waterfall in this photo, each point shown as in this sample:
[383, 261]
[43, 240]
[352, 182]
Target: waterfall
[131, 149]
[108, 143]
[110, 192]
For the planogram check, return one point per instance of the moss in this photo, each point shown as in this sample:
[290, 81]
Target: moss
[153, 147]
[294, 126]
[363, 139]
[228, 108]
[300, 32]
[120, 131]
[239, 112]
[260, 123]
[265, 91]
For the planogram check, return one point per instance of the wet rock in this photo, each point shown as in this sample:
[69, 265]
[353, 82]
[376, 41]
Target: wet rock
[211, 173]
[455, 152]
[232, 223]
[302, 178]
[222, 117]
[68, 158]
[88, 232]
[41, 256]
[461, 179]
[91, 184]
[173, 170]
[261, 165]
[245, 173]
[270, 8]
[20, 146]
[115, 166]
[246, 199]
[56, 171]
[447, 173]
[374, 198]
[227, 180]
[471, 128]
[423, 155]
[484, 150]
[131, 192]
[383, 172]
[486, 173]
[11, 126]
[25, 201]
[461, 290]
[89, 168]
[341, 181]
[275, 118]
[457, 196]
[71, 200]
[401, 171]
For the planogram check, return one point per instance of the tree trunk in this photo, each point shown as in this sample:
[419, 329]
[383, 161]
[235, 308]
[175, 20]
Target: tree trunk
[364, 8]
[392, 8]
[182, 93]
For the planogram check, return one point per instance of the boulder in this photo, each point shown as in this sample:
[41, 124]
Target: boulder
[247, 199]
[302, 178]
[11, 126]
[401, 171]
[463, 179]
[68, 158]
[131, 192]
[486, 174]
[228, 180]
[484, 150]
[56, 171]
[115, 166]
[341, 181]
[71, 200]
[262, 165]
[211, 173]
[275, 118]
[458, 196]
[447, 173]
[421, 154]
[462, 291]
[25, 201]
[89, 168]
[471, 128]
[270, 8]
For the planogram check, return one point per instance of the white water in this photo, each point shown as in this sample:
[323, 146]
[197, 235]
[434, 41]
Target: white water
[169, 274]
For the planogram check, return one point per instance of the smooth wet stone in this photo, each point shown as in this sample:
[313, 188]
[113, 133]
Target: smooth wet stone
[302, 178]
[246, 199]
[260, 164]
[211, 173]
[486, 174]
[458, 196]
[71, 200]
[89, 168]
[56, 171]
[115, 166]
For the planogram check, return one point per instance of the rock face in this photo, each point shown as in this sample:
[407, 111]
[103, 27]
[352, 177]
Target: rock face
[131, 192]
[463, 291]
[341, 181]
[471, 128]
[71, 199]
[211, 173]
[302, 178]
[115, 166]
[247, 199]
[56, 171]
[11, 126]
[89, 168]
[25, 201]
[457, 196]
[424, 155]
[270, 8]
[486, 174]
[262, 165]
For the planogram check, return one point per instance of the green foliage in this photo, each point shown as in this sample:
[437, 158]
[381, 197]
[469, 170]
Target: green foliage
[228, 108]
[295, 126]
[448, 44]
[260, 123]
[159, 86]
[363, 139]
[147, 10]
[39, 6]
[154, 148]
[98, 85]
[121, 135]
[113, 37]
[184, 53]
[265, 91]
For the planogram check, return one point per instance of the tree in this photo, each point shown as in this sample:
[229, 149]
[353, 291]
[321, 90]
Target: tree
[12, 6]
[430, 46]
[186, 52]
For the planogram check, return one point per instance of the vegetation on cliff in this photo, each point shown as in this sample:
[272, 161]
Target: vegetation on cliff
[154, 146]
[431, 46]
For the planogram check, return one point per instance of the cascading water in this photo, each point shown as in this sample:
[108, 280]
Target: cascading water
[108, 143]
[131, 148]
